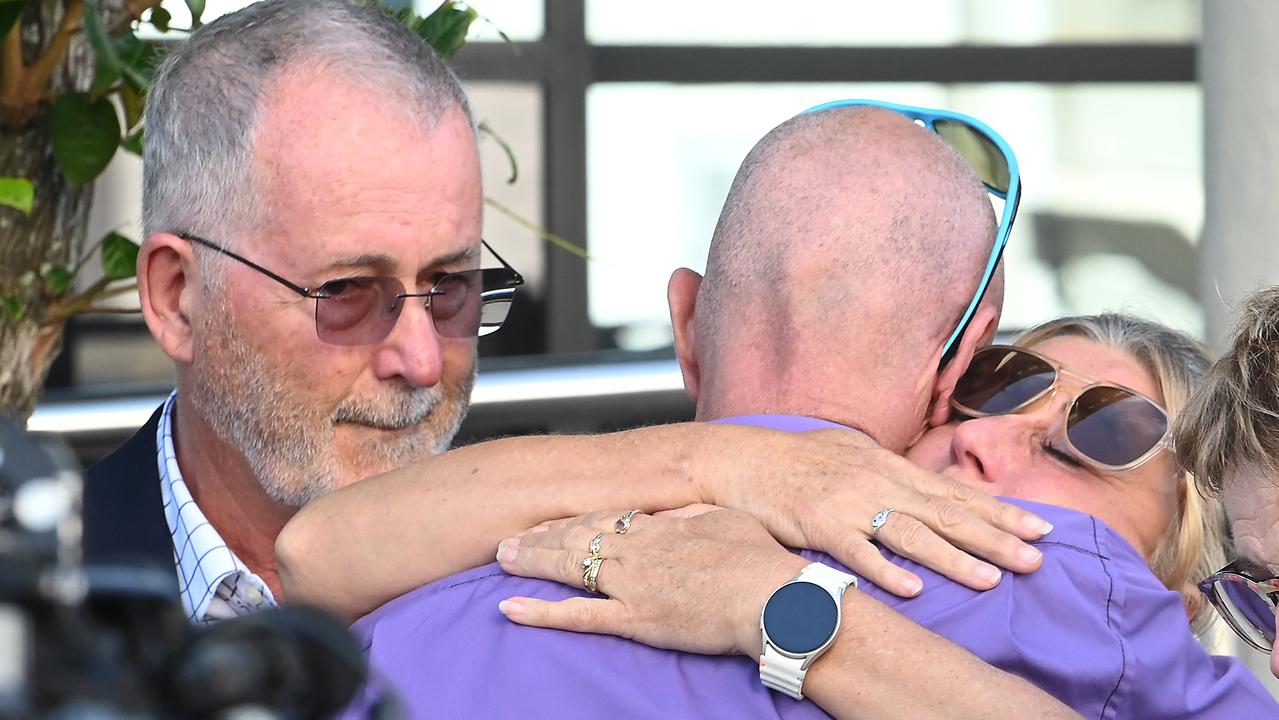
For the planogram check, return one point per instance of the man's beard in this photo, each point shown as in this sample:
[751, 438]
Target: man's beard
[290, 445]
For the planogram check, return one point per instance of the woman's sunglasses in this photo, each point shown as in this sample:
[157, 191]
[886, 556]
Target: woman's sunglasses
[362, 310]
[1246, 602]
[1107, 426]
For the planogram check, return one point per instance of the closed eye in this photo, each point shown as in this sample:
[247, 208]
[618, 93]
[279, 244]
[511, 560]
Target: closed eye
[1062, 456]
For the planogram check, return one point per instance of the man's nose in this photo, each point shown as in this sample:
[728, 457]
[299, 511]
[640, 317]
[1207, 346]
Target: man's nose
[412, 350]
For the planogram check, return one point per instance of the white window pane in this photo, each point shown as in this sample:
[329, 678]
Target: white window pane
[921, 22]
[1109, 219]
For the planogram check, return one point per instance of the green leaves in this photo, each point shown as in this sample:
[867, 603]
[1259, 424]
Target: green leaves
[133, 143]
[122, 57]
[85, 133]
[57, 279]
[160, 18]
[197, 9]
[119, 257]
[12, 306]
[10, 11]
[17, 193]
[445, 29]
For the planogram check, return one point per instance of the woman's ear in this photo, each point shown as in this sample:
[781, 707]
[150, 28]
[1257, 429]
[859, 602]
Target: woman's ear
[681, 295]
[166, 287]
[979, 334]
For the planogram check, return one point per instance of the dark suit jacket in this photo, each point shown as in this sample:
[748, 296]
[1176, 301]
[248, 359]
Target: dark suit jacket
[123, 508]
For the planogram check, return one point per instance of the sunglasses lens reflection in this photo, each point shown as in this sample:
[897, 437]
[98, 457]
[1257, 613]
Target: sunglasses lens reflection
[980, 152]
[1247, 611]
[1114, 426]
[1000, 380]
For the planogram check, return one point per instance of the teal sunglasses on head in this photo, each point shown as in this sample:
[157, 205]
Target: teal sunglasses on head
[993, 161]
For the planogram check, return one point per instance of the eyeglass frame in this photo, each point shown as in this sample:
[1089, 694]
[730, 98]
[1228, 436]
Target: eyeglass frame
[505, 290]
[928, 117]
[1207, 587]
[1165, 441]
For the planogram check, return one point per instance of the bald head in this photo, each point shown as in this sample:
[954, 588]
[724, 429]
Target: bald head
[850, 245]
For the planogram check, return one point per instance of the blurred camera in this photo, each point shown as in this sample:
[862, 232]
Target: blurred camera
[113, 642]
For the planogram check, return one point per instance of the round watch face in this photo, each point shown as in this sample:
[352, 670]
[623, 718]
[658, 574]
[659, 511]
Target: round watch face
[800, 617]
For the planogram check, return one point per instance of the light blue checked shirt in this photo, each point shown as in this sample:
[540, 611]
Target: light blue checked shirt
[214, 583]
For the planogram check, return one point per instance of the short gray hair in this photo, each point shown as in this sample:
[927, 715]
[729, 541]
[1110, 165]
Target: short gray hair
[205, 101]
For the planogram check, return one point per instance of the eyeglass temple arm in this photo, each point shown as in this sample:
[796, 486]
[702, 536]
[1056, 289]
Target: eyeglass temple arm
[519, 279]
[953, 347]
[304, 292]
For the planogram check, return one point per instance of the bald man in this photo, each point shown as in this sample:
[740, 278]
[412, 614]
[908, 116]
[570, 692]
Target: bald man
[850, 245]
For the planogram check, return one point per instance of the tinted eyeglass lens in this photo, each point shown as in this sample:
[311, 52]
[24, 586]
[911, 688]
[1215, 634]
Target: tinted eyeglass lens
[980, 152]
[357, 311]
[455, 304]
[1113, 426]
[1250, 614]
[1000, 380]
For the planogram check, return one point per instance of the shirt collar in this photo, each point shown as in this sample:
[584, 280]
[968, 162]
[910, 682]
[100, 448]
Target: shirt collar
[203, 559]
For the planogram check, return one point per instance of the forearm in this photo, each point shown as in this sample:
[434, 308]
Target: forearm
[884, 665]
[364, 544]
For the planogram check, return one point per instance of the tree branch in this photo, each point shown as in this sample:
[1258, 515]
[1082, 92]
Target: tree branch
[39, 73]
[64, 309]
[11, 66]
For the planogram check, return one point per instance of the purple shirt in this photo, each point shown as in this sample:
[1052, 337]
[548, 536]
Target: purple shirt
[1093, 627]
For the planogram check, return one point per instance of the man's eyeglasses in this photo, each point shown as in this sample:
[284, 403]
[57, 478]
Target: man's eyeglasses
[1108, 426]
[362, 310]
[1246, 601]
[995, 164]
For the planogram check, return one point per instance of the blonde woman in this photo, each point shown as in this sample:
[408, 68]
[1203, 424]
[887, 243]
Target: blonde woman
[1073, 421]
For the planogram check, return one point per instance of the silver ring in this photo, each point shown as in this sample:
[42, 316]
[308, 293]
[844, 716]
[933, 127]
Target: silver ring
[880, 518]
[624, 522]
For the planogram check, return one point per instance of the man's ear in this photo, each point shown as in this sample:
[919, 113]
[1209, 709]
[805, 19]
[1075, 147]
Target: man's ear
[681, 295]
[167, 288]
[979, 334]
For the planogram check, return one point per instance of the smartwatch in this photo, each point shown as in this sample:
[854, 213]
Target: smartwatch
[799, 622]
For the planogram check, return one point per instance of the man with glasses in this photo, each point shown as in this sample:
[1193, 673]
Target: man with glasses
[312, 264]
[1228, 436]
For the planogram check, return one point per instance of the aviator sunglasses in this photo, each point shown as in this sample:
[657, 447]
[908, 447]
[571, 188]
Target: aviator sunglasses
[1246, 601]
[1108, 426]
[362, 310]
[996, 166]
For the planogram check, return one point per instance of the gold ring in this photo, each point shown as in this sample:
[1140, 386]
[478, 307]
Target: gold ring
[624, 522]
[590, 578]
[595, 544]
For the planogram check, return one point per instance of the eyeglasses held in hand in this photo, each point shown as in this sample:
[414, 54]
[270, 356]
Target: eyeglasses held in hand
[362, 310]
[1246, 602]
[1108, 426]
[996, 166]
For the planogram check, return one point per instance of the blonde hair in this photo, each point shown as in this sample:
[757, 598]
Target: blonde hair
[1193, 545]
[1232, 420]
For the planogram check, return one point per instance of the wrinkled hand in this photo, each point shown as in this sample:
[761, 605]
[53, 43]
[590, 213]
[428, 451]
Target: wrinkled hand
[694, 579]
[819, 491]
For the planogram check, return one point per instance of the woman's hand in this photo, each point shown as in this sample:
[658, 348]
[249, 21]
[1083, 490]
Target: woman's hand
[821, 490]
[694, 579]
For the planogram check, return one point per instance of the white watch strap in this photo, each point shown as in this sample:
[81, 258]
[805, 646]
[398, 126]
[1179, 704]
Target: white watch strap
[786, 674]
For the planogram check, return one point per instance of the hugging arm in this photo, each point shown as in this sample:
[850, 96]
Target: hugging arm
[372, 541]
[699, 584]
